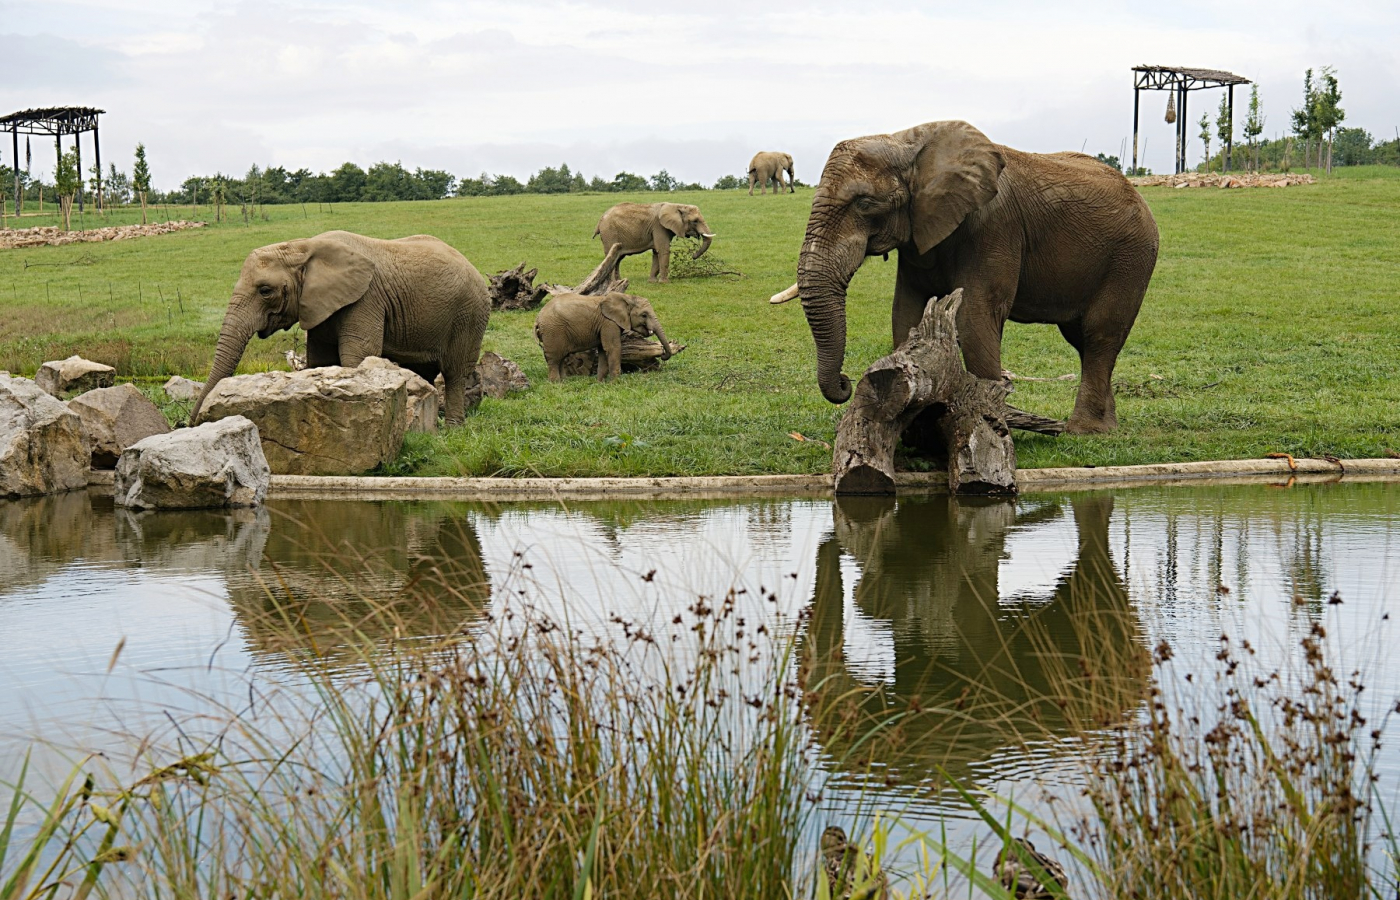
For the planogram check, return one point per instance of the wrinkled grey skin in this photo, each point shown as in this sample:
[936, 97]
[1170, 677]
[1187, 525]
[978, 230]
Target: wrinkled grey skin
[1058, 238]
[573, 322]
[415, 301]
[640, 227]
[768, 166]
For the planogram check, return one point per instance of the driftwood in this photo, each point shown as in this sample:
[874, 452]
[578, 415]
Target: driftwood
[923, 383]
[516, 289]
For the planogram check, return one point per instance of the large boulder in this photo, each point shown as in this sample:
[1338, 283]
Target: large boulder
[423, 399]
[217, 464]
[61, 376]
[326, 421]
[116, 418]
[43, 448]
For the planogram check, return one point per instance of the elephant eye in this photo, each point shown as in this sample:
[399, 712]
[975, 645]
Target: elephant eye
[867, 204]
[265, 290]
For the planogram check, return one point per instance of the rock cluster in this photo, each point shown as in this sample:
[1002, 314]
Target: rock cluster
[326, 421]
[1224, 180]
[53, 235]
[217, 464]
[60, 376]
[115, 418]
[43, 447]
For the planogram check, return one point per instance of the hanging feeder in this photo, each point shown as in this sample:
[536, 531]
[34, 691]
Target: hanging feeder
[1171, 108]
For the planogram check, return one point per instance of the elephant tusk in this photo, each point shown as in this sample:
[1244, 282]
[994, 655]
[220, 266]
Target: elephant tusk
[784, 296]
[703, 234]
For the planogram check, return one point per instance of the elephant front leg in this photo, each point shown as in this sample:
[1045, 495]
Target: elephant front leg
[610, 354]
[461, 387]
[361, 336]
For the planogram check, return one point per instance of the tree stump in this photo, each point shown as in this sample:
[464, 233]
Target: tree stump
[516, 289]
[967, 415]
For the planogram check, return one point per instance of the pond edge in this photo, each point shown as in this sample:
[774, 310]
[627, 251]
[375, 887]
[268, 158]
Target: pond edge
[1233, 471]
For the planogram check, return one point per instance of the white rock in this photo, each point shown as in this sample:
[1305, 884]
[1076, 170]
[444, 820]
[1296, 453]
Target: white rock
[500, 376]
[182, 388]
[73, 374]
[43, 448]
[216, 464]
[327, 421]
[115, 418]
[423, 399]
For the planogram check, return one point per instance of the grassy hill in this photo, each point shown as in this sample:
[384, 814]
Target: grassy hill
[1271, 325]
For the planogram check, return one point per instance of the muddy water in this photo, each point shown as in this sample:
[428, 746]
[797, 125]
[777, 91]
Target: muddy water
[958, 617]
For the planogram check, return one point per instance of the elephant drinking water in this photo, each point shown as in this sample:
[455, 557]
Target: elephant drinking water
[1054, 238]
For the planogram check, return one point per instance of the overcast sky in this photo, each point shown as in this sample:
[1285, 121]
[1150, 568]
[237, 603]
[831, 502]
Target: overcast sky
[509, 86]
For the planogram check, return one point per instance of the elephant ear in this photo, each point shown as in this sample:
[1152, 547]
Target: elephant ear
[616, 310]
[955, 172]
[670, 218]
[334, 275]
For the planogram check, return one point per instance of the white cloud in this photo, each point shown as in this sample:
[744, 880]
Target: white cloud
[608, 85]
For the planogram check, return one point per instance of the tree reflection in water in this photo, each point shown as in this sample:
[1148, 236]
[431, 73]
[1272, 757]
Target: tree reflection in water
[973, 672]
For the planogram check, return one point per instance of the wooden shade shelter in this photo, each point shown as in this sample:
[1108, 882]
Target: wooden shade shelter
[55, 122]
[1181, 82]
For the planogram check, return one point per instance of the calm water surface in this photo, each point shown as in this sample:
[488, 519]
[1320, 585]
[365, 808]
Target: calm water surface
[966, 606]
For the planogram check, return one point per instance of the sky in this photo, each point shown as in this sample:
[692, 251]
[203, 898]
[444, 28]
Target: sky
[510, 86]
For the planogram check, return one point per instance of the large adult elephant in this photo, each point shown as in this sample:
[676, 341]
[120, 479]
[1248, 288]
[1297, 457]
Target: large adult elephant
[769, 165]
[415, 301]
[640, 227]
[1051, 238]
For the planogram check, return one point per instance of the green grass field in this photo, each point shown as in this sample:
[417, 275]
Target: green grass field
[1271, 322]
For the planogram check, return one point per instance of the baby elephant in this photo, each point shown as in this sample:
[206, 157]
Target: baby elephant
[573, 322]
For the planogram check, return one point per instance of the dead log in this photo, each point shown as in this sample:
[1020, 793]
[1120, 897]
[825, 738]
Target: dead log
[966, 414]
[516, 289]
[639, 354]
[602, 280]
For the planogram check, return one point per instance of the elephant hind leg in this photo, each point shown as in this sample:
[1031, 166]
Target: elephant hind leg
[1099, 337]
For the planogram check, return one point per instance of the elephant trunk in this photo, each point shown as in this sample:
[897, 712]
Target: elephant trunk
[705, 240]
[661, 336]
[237, 330]
[824, 270]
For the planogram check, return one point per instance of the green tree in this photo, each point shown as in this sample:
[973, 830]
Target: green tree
[662, 181]
[626, 181]
[1224, 128]
[729, 183]
[1353, 147]
[118, 187]
[95, 184]
[67, 184]
[1110, 161]
[141, 178]
[1328, 112]
[1205, 136]
[347, 183]
[1304, 118]
[1254, 124]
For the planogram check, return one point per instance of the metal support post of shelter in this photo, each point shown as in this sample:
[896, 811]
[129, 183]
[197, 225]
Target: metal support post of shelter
[1181, 82]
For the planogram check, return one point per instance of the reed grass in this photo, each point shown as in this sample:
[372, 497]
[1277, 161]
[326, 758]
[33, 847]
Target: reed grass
[522, 759]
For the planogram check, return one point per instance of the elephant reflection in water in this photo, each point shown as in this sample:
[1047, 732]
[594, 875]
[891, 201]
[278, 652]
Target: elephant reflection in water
[381, 570]
[971, 673]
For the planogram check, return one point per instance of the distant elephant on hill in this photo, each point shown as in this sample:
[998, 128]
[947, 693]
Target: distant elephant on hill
[640, 227]
[415, 301]
[1056, 238]
[768, 166]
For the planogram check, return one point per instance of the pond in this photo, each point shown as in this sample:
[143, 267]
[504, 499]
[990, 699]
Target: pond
[114, 624]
